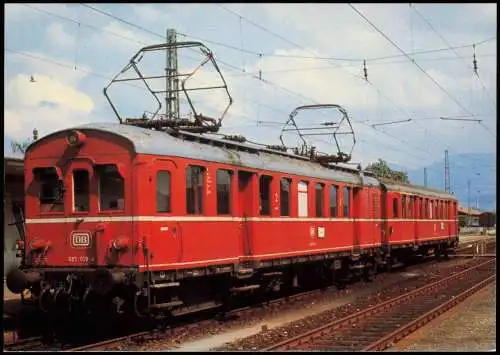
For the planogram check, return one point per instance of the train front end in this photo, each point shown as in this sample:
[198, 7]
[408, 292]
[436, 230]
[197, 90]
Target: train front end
[79, 246]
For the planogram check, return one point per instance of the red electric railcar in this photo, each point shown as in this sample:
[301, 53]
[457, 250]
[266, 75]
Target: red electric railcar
[172, 221]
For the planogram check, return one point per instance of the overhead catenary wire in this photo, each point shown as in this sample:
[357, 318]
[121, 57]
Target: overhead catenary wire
[124, 21]
[289, 91]
[302, 48]
[244, 50]
[295, 44]
[66, 18]
[454, 51]
[256, 77]
[378, 91]
[413, 61]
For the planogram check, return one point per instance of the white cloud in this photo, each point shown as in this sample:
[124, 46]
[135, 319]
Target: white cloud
[47, 104]
[121, 39]
[59, 36]
[22, 92]
[36, 63]
[147, 13]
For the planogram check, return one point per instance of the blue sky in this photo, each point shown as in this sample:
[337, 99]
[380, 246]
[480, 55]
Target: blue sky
[73, 51]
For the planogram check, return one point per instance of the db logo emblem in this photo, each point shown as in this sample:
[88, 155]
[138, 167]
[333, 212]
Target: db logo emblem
[80, 239]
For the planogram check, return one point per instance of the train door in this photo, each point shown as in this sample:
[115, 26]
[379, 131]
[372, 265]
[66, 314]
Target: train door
[415, 216]
[165, 231]
[84, 236]
[246, 194]
[384, 231]
[375, 222]
[357, 213]
[303, 200]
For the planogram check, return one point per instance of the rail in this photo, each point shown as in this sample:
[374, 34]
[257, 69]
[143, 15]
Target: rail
[380, 334]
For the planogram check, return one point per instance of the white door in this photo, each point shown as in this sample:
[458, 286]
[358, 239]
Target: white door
[302, 193]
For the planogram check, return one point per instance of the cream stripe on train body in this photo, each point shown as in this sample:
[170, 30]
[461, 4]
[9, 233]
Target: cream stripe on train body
[217, 219]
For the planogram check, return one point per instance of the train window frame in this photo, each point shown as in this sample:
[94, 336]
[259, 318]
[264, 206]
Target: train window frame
[336, 199]
[197, 205]
[229, 192]
[85, 194]
[303, 198]
[265, 208]
[346, 207]
[395, 207]
[403, 206]
[120, 200]
[422, 207]
[168, 208]
[46, 204]
[285, 203]
[320, 211]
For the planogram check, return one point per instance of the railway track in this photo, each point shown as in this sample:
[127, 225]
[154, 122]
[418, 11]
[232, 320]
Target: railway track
[151, 335]
[378, 327]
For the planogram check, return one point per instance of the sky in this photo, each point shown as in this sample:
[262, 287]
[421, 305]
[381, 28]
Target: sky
[274, 57]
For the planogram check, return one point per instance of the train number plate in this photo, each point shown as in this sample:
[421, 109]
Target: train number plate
[81, 239]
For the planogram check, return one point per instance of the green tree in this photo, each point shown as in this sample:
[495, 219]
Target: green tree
[382, 171]
[20, 146]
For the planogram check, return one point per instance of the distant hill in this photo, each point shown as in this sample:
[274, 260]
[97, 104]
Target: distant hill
[463, 167]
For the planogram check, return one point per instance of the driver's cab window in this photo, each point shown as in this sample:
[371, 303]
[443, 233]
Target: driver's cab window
[111, 188]
[51, 190]
[80, 190]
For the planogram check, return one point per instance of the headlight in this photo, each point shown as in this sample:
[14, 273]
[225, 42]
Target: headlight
[75, 138]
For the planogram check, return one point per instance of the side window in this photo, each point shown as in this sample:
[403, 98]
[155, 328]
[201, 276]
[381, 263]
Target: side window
[223, 191]
[431, 212]
[403, 206]
[410, 206]
[446, 207]
[163, 191]
[333, 200]
[194, 189]
[436, 210]
[422, 208]
[80, 190]
[51, 190]
[111, 188]
[303, 198]
[395, 209]
[347, 201]
[285, 197]
[319, 200]
[265, 195]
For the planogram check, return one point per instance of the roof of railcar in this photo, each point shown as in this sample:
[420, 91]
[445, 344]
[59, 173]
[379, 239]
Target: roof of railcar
[418, 190]
[206, 148]
[203, 147]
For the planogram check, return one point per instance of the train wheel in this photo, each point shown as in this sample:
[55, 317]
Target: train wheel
[369, 272]
[339, 279]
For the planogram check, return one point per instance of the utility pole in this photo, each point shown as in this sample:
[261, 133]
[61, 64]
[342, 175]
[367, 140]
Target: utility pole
[468, 202]
[172, 80]
[425, 177]
[446, 172]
